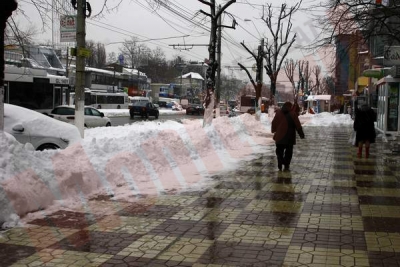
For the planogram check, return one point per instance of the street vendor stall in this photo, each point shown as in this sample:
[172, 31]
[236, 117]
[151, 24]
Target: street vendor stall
[318, 103]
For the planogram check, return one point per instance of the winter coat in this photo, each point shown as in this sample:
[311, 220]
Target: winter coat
[284, 127]
[364, 125]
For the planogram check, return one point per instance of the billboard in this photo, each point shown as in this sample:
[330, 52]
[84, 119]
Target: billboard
[68, 28]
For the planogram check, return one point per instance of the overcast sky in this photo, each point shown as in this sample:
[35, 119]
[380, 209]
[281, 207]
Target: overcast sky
[137, 18]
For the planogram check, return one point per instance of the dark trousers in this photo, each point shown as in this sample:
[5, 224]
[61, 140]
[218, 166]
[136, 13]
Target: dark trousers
[284, 154]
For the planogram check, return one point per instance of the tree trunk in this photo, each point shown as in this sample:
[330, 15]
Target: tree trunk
[6, 9]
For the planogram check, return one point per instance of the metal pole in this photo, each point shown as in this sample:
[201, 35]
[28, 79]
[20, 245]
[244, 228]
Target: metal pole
[80, 67]
[137, 68]
[218, 85]
[67, 94]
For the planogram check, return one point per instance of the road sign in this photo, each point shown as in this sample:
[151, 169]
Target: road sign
[68, 28]
[84, 52]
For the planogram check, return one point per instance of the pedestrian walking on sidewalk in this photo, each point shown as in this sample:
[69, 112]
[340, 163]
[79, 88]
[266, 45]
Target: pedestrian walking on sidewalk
[284, 127]
[365, 129]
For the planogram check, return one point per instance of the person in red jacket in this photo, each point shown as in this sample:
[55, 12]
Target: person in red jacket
[284, 127]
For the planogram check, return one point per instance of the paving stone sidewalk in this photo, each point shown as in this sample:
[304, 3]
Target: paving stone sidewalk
[331, 209]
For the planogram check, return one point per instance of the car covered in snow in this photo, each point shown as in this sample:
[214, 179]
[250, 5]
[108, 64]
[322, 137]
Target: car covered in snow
[43, 132]
[92, 116]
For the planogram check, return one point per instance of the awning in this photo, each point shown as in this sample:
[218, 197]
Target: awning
[376, 73]
[319, 97]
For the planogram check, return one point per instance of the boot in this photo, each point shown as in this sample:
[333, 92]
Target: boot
[359, 154]
[366, 152]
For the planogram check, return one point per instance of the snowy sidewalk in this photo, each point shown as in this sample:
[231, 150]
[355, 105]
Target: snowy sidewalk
[331, 209]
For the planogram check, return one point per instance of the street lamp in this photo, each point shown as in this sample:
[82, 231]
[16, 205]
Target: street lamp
[248, 20]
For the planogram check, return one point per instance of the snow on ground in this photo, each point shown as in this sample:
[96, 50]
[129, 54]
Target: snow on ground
[145, 158]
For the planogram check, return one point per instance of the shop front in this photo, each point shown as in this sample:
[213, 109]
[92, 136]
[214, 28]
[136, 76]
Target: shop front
[388, 104]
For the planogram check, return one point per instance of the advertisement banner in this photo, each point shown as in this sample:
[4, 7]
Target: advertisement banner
[391, 55]
[68, 28]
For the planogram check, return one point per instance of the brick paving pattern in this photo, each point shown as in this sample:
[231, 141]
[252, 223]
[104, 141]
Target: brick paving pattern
[331, 209]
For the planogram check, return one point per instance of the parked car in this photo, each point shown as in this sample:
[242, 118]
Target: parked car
[133, 99]
[192, 109]
[144, 109]
[43, 132]
[93, 117]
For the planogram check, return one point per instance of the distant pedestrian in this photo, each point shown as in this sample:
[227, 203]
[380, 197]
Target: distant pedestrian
[365, 129]
[284, 127]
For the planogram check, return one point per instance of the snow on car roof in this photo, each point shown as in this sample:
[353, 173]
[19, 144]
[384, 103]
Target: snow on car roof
[39, 123]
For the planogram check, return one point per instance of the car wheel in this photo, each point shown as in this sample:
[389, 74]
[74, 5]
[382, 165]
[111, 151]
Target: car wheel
[47, 147]
[85, 125]
[118, 107]
[99, 106]
[108, 124]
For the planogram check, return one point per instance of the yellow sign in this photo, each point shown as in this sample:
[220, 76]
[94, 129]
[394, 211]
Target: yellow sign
[83, 52]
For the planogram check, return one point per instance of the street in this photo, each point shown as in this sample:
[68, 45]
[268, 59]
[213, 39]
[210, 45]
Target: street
[115, 121]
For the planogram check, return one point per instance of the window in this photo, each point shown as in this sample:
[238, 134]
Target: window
[32, 96]
[88, 112]
[63, 111]
[95, 112]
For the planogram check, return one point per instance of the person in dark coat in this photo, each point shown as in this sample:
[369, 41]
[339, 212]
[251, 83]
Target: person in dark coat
[365, 129]
[284, 127]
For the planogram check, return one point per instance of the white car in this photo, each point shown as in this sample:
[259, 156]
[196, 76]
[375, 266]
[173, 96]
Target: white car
[93, 117]
[43, 132]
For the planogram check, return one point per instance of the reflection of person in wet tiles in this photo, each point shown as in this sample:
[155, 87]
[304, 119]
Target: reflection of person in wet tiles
[287, 206]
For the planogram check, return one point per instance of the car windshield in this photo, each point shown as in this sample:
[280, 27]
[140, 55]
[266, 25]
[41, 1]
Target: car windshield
[139, 103]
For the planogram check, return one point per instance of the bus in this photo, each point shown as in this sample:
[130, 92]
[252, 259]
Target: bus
[34, 88]
[103, 100]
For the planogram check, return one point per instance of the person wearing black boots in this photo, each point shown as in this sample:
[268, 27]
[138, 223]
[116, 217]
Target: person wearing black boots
[365, 129]
[284, 127]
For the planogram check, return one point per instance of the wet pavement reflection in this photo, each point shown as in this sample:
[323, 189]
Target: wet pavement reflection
[331, 209]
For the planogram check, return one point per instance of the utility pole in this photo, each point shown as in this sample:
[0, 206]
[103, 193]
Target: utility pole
[219, 36]
[260, 72]
[80, 66]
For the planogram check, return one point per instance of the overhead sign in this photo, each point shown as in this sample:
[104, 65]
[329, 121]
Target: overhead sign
[68, 28]
[391, 55]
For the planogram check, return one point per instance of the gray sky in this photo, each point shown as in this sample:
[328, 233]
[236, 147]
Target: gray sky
[136, 18]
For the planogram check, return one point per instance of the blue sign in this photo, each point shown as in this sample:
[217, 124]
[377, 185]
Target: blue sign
[121, 59]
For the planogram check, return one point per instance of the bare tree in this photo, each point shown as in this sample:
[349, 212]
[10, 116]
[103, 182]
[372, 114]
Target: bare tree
[6, 9]
[112, 57]
[277, 48]
[101, 57]
[307, 77]
[373, 20]
[15, 35]
[258, 83]
[316, 70]
[290, 67]
[212, 61]
[91, 60]
[129, 49]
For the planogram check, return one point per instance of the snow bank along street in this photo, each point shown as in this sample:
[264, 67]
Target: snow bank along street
[147, 158]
